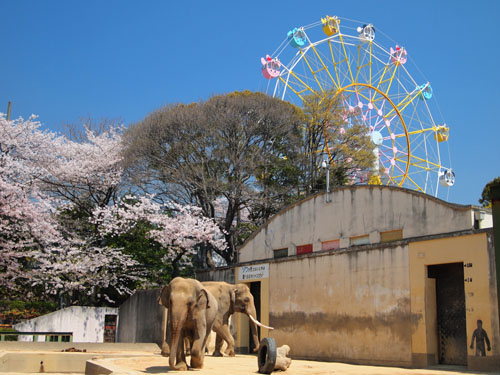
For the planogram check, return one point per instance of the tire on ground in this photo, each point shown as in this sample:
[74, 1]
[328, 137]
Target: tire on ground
[267, 355]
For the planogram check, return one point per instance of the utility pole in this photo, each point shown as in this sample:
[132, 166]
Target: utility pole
[9, 106]
[495, 208]
[325, 164]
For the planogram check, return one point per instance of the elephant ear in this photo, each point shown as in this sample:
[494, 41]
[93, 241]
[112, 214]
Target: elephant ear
[164, 297]
[239, 289]
[200, 295]
[232, 295]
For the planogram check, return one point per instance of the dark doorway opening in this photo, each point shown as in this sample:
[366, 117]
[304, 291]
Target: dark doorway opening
[450, 301]
[110, 328]
[255, 290]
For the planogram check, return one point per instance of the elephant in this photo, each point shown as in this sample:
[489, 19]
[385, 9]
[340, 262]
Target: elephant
[232, 298]
[192, 310]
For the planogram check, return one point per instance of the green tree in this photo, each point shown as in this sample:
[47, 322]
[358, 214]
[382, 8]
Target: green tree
[329, 126]
[485, 195]
[220, 155]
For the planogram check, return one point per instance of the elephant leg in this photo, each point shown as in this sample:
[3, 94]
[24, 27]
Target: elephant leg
[226, 336]
[198, 345]
[187, 345]
[218, 339]
[218, 346]
[181, 363]
[165, 350]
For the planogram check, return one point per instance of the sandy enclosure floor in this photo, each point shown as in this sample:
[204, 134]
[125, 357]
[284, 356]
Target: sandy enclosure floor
[246, 364]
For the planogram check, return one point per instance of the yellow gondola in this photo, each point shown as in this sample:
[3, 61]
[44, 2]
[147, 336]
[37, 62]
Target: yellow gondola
[441, 133]
[330, 25]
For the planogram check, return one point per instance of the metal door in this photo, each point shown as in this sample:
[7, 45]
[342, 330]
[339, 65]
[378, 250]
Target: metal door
[450, 298]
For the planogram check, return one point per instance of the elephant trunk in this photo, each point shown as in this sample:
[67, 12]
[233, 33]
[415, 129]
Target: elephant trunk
[177, 323]
[253, 326]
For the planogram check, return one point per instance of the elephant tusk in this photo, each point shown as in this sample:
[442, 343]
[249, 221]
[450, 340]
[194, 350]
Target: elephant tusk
[259, 323]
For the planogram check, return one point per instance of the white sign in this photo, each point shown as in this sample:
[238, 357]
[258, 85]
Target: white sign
[259, 271]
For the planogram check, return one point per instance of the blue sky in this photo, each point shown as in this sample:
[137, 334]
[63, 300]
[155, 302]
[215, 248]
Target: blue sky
[64, 60]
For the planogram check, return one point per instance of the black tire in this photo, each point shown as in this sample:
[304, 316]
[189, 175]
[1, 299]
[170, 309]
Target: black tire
[267, 355]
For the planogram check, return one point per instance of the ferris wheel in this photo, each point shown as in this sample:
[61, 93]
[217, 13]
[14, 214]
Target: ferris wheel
[375, 87]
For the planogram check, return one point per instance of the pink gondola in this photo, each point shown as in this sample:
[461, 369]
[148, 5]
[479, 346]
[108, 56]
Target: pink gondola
[270, 67]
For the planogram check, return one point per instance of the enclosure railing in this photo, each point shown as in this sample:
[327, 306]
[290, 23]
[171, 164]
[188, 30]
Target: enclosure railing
[49, 336]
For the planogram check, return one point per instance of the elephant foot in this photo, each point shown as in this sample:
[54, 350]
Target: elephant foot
[229, 352]
[196, 362]
[217, 353]
[181, 366]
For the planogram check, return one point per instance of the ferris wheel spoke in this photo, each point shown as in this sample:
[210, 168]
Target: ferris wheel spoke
[334, 65]
[346, 57]
[313, 72]
[325, 68]
[426, 161]
[406, 101]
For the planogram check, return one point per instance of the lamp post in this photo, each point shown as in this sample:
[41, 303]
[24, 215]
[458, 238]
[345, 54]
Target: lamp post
[326, 165]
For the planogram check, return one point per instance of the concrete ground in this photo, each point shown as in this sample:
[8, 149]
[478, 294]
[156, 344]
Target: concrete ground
[247, 364]
[145, 359]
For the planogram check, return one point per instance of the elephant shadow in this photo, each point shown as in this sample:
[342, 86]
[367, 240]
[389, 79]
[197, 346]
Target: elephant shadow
[158, 369]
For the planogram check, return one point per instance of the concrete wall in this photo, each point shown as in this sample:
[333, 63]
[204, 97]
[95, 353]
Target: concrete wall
[371, 303]
[352, 306]
[356, 211]
[476, 252]
[141, 318]
[219, 274]
[86, 323]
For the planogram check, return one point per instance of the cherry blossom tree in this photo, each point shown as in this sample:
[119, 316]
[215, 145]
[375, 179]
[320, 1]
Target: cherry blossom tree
[178, 229]
[40, 174]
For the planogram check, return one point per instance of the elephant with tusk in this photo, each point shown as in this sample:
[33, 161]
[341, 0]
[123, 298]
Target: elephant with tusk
[192, 310]
[232, 298]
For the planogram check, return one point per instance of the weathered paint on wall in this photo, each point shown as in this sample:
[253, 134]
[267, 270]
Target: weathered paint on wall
[476, 253]
[86, 323]
[357, 211]
[352, 306]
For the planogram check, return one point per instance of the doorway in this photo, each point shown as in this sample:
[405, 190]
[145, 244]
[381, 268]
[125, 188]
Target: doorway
[255, 290]
[110, 328]
[451, 323]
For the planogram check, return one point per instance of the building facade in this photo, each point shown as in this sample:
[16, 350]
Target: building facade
[376, 275]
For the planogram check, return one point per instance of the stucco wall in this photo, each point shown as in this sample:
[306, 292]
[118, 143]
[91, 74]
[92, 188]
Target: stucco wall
[355, 211]
[141, 318]
[476, 253]
[86, 323]
[352, 306]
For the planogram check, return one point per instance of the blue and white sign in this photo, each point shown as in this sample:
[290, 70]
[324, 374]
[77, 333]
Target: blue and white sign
[254, 272]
